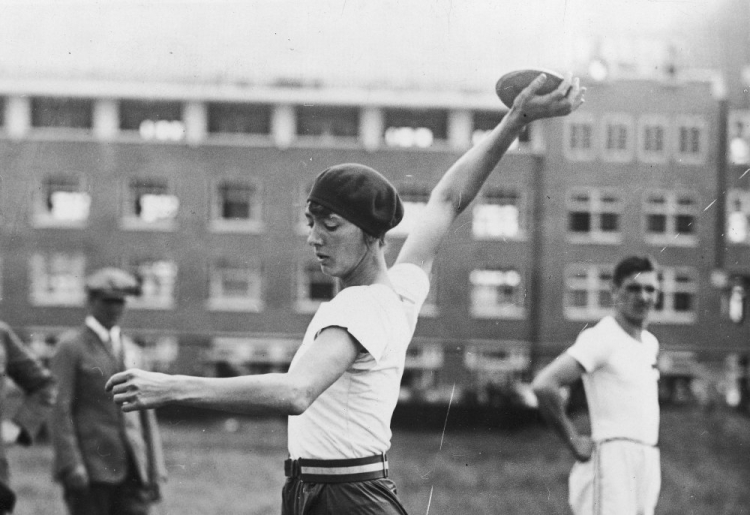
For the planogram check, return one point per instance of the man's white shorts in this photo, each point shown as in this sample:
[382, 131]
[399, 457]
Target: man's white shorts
[623, 477]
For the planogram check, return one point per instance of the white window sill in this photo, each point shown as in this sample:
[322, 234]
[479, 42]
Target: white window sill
[595, 238]
[136, 224]
[235, 305]
[237, 226]
[152, 305]
[673, 240]
[47, 222]
[584, 314]
[56, 301]
[508, 313]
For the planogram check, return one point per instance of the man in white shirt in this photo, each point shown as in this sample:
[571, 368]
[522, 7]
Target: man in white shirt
[617, 471]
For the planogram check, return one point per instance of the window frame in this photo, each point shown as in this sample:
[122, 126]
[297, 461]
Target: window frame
[690, 122]
[327, 139]
[670, 238]
[670, 287]
[87, 131]
[138, 133]
[741, 197]
[438, 143]
[571, 122]
[650, 121]
[254, 223]
[486, 193]
[596, 209]
[412, 210]
[592, 284]
[40, 261]
[617, 155]
[131, 221]
[302, 303]
[514, 311]
[42, 216]
[248, 303]
[140, 302]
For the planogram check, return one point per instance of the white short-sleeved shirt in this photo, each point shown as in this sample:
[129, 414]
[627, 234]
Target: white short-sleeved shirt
[620, 381]
[352, 418]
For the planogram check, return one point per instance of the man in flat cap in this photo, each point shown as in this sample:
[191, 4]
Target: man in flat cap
[108, 462]
[38, 387]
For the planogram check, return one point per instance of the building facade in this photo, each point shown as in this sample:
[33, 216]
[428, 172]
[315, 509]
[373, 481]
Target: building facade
[199, 190]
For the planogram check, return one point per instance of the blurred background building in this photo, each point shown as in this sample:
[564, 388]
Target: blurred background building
[185, 155]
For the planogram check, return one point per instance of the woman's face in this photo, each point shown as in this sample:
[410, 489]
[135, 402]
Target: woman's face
[339, 245]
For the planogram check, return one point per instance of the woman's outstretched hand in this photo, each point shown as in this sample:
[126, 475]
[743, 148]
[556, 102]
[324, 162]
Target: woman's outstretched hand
[568, 97]
[136, 389]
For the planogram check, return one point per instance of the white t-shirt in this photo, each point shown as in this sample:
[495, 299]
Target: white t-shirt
[352, 418]
[620, 381]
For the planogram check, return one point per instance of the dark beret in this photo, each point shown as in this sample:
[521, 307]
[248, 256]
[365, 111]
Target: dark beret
[361, 195]
[113, 282]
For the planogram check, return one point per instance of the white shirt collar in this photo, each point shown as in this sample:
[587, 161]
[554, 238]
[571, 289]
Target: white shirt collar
[100, 330]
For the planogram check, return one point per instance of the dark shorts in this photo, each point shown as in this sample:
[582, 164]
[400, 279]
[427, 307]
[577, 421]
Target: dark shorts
[374, 497]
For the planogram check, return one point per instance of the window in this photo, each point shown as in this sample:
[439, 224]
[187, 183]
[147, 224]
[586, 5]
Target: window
[240, 119]
[414, 199]
[326, 123]
[617, 137]
[579, 137]
[494, 366]
[150, 205]
[738, 216]
[299, 207]
[421, 369]
[678, 297]
[691, 145]
[61, 113]
[313, 287]
[158, 279]
[236, 206]
[235, 286]
[57, 279]
[159, 121]
[484, 123]
[594, 216]
[587, 291]
[415, 128]
[670, 218]
[497, 293]
[652, 139]
[61, 201]
[430, 305]
[497, 215]
[230, 356]
[738, 129]
[159, 350]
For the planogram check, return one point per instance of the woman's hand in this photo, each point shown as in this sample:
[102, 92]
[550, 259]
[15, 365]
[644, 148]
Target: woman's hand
[136, 389]
[528, 106]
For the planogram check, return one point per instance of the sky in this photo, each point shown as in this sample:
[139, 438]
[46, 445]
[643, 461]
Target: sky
[398, 43]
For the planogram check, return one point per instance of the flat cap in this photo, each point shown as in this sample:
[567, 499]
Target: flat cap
[113, 282]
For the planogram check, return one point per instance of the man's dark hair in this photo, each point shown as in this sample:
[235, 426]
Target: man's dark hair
[632, 265]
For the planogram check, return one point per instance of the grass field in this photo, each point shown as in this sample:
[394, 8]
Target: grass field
[705, 462]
